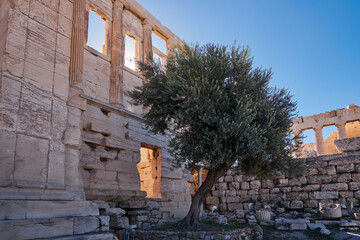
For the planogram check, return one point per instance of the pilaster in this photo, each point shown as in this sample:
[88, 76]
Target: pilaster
[77, 43]
[117, 54]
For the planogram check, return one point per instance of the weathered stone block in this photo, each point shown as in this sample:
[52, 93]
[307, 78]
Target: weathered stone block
[104, 223]
[245, 198]
[264, 191]
[228, 179]
[357, 194]
[34, 113]
[281, 182]
[31, 161]
[238, 178]
[40, 55]
[313, 171]
[84, 225]
[119, 222]
[285, 189]
[7, 155]
[115, 212]
[296, 189]
[255, 185]
[292, 196]
[142, 218]
[345, 168]
[274, 190]
[297, 181]
[311, 203]
[253, 192]
[264, 197]
[234, 186]
[329, 170]
[334, 187]
[221, 186]
[36, 228]
[218, 193]
[344, 177]
[133, 204]
[346, 194]
[296, 205]
[317, 179]
[56, 169]
[230, 193]
[12, 210]
[233, 199]
[234, 206]
[323, 195]
[354, 185]
[267, 183]
[277, 197]
[245, 186]
[241, 192]
[357, 167]
[212, 200]
[355, 177]
[49, 209]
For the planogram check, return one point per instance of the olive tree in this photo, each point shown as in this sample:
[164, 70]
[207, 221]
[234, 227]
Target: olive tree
[220, 110]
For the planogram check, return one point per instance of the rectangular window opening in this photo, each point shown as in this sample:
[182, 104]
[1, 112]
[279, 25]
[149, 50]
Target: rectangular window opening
[159, 48]
[149, 169]
[158, 59]
[130, 52]
[159, 42]
[96, 37]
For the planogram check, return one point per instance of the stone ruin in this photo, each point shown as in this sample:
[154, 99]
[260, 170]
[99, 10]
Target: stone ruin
[346, 120]
[329, 190]
[75, 158]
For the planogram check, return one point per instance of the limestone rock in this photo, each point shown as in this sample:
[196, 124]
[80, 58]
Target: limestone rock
[313, 226]
[325, 231]
[119, 222]
[115, 212]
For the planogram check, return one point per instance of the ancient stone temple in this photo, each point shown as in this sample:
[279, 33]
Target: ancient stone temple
[68, 134]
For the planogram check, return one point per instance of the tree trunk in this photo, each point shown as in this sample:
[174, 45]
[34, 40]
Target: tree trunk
[193, 217]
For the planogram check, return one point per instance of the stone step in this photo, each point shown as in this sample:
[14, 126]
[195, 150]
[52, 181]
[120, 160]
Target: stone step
[52, 227]
[16, 210]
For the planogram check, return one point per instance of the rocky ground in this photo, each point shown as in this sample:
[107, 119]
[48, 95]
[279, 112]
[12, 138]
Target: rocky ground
[272, 234]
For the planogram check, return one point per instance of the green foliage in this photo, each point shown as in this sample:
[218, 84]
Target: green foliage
[221, 109]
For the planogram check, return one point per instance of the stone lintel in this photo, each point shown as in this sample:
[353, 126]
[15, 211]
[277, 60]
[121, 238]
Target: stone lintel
[113, 195]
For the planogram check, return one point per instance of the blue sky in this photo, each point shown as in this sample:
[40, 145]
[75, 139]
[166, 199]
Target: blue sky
[312, 46]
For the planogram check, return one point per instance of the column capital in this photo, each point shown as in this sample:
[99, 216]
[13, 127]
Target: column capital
[118, 3]
[340, 124]
[318, 128]
[147, 23]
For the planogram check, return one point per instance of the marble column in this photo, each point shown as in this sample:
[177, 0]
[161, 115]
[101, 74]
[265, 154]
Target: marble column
[319, 140]
[117, 53]
[147, 40]
[341, 130]
[77, 43]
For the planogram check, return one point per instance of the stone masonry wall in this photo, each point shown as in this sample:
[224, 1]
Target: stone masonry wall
[331, 178]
